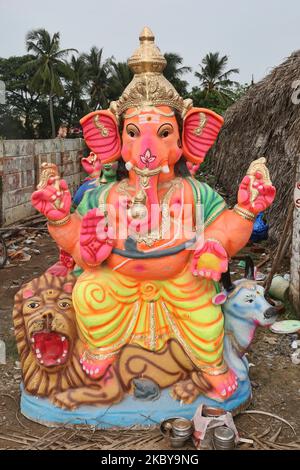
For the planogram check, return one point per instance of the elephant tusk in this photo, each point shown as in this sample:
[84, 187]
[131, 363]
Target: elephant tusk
[128, 166]
[165, 169]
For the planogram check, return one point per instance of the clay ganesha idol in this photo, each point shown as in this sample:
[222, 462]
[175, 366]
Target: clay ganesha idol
[152, 293]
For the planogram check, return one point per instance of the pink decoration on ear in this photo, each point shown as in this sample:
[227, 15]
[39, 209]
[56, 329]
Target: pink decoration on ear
[200, 129]
[68, 287]
[219, 299]
[27, 294]
[101, 133]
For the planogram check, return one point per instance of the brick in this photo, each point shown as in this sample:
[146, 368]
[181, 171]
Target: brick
[19, 162]
[16, 164]
[14, 214]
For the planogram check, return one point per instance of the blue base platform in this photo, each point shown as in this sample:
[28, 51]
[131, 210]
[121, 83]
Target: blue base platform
[128, 412]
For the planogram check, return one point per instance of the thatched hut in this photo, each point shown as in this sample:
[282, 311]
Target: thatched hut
[265, 122]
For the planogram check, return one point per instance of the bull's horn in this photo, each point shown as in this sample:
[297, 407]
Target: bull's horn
[226, 281]
[249, 268]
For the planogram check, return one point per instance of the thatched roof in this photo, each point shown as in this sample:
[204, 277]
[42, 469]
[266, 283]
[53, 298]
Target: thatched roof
[263, 123]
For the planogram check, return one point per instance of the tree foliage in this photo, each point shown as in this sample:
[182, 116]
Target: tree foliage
[61, 84]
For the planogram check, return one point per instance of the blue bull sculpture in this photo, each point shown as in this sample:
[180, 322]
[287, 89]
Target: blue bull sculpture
[245, 307]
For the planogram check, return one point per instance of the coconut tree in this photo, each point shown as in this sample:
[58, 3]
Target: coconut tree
[98, 74]
[120, 77]
[20, 98]
[49, 66]
[174, 72]
[76, 87]
[213, 76]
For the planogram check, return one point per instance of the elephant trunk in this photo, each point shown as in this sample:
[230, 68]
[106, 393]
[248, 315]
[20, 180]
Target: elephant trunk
[146, 206]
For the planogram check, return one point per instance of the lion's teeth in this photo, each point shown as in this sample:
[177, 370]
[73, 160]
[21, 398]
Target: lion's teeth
[41, 361]
[58, 361]
[37, 350]
[92, 372]
[65, 352]
[39, 356]
[63, 338]
[32, 340]
[96, 371]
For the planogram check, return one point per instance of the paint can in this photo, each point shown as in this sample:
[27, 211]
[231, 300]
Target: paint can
[223, 438]
[279, 287]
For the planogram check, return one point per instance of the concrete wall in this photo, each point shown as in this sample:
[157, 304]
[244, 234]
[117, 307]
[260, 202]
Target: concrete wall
[295, 260]
[20, 163]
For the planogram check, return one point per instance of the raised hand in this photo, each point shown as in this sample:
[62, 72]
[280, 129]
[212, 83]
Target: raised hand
[92, 164]
[263, 197]
[256, 192]
[96, 238]
[54, 199]
[210, 261]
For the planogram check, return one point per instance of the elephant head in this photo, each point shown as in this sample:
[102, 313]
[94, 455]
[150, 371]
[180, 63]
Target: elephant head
[151, 127]
[92, 165]
[150, 142]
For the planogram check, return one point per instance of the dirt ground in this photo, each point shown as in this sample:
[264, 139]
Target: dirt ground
[275, 380]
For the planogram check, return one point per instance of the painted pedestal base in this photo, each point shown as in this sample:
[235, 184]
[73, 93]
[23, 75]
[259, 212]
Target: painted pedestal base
[127, 413]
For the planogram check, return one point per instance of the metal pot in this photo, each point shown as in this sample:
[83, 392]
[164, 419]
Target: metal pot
[182, 427]
[223, 438]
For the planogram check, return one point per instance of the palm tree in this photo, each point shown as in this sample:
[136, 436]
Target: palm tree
[76, 86]
[213, 75]
[120, 77]
[174, 72]
[49, 66]
[98, 72]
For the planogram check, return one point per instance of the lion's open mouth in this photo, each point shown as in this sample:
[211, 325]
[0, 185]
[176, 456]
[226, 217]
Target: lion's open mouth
[50, 347]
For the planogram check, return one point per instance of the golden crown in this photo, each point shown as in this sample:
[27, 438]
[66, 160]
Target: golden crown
[149, 87]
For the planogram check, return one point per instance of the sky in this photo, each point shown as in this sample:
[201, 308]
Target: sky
[255, 34]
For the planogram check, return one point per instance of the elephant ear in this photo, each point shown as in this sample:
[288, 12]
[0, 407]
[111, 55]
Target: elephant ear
[101, 133]
[200, 129]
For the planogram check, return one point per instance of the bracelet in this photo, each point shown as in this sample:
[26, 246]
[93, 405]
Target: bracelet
[244, 213]
[215, 370]
[63, 221]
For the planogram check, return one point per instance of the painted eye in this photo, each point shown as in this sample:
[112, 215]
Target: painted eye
[132, 130]
[64, 304]
[250, 301]
[165, 130]
[33, 305]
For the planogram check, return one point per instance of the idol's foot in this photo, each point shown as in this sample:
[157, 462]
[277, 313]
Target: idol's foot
[95, 368]
[188, 390]
[223, 385]
[185, 391]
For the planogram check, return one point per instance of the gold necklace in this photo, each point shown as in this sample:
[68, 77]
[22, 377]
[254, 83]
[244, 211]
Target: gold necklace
[150, 238]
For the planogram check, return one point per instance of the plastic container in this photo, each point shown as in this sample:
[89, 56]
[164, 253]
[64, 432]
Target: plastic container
[279, 287]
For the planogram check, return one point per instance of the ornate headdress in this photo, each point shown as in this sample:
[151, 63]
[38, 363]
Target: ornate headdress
[149, 87]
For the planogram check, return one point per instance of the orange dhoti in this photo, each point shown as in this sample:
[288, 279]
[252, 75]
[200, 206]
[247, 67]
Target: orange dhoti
[113, 310]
